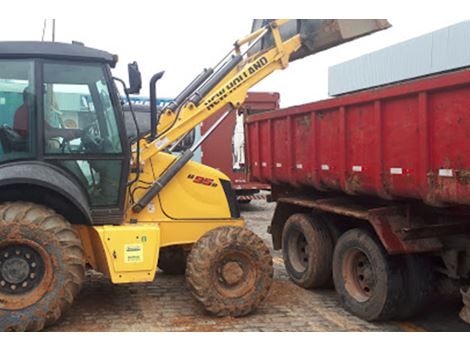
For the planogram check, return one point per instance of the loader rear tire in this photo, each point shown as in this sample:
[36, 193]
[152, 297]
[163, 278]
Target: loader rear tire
[42, 266]
[230, 271]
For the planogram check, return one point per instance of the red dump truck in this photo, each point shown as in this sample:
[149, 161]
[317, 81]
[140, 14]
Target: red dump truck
[372, 192]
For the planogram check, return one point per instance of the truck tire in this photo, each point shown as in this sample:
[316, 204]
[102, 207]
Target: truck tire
[172, 260]
[307, 248]
[230, 271]
[418, 281]
[42, 266]
[368, 281]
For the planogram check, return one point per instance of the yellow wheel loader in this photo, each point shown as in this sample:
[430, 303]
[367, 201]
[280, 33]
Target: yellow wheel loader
[76, 194]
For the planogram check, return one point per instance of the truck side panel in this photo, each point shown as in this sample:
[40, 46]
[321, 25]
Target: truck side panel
[403, 141]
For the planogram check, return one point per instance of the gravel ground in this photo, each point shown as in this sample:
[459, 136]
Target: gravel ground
[167, 305]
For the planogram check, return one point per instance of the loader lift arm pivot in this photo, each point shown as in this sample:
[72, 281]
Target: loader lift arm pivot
[233, 77]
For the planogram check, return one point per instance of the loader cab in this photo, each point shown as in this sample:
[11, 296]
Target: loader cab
[60, 112]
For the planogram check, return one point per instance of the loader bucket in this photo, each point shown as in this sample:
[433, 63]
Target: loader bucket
[318, 34]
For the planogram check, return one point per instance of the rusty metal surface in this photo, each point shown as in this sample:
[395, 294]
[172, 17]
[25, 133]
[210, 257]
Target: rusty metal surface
[339, 206]
[388, 222]
[406, 141]
[439, 230]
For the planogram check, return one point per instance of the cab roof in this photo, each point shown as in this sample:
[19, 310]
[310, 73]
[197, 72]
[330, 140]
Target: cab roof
[54, 50]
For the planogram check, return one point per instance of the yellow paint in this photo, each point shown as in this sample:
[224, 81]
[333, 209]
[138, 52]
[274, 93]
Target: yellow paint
[131, 251]
[185, 209]
[182, 198]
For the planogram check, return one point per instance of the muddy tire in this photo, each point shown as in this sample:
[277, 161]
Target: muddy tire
[172, 260]
[369, 282]
[307, 248]
[229, 271]
[42, 266]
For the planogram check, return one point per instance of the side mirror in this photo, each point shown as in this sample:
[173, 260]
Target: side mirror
[135, 78]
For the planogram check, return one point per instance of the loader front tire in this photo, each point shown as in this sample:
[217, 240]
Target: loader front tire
[42, 266]
[229, 271]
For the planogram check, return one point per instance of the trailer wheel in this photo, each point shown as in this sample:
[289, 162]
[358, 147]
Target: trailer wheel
[307, 248]
[368, 280]
[230, 271]
[172, 260]
[42, 266]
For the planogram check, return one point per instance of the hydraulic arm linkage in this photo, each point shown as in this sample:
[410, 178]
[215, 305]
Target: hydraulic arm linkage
[268, 49]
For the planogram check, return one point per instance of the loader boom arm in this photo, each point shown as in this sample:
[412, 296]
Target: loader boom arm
[228, 83]
[232, 89]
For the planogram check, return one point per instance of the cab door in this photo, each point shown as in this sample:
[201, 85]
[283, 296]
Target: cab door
[82, 133]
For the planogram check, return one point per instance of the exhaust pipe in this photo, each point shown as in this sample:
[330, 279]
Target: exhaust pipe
[318, 34]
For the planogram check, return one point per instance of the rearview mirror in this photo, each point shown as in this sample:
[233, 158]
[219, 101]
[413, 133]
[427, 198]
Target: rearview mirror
[135, 78]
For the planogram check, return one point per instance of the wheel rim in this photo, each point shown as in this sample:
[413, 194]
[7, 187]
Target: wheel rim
[25, 273]
[234, 275]
[358, 275]
[297, 250]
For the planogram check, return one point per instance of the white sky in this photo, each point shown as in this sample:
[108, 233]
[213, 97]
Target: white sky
[183, 37]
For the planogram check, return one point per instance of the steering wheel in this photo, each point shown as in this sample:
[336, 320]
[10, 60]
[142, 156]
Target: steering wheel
[91, 141]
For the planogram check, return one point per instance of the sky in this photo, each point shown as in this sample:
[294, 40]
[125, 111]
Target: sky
[182, 38]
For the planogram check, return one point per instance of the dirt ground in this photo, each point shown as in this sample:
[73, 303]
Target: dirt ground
[167, 305]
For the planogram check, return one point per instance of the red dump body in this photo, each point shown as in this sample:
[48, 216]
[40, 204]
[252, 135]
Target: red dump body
[409, 140]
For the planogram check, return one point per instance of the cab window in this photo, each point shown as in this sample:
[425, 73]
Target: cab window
[17, 110]
[78, 114]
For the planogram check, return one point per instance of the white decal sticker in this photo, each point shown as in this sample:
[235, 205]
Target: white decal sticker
[357, 168]
[396, 171]
[325, 167]
[134, 253]
[299, 166]
[446, 172]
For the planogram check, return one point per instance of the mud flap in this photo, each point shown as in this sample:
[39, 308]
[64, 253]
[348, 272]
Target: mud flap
[465, 312]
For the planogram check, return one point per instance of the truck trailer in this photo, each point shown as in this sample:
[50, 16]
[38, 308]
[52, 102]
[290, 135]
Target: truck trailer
[372, 192]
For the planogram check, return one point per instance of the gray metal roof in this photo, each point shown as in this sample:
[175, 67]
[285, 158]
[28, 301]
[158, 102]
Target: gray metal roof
[439, 51]
[54, 50]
